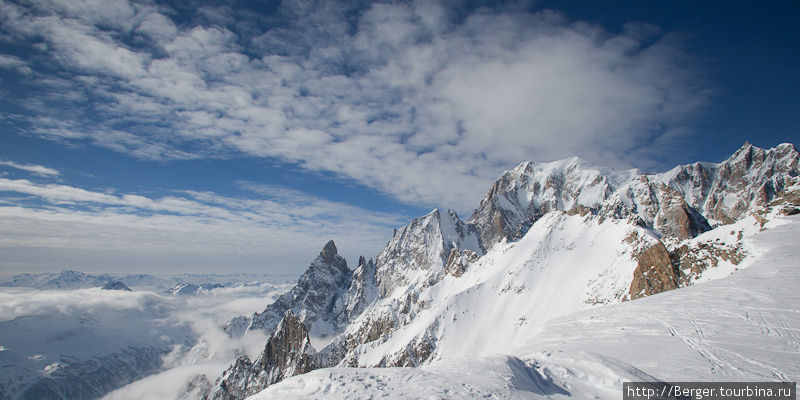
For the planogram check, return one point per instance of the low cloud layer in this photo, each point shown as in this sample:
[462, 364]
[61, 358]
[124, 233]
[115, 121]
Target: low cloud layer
[424, 101]
[16, 303]
[118, 319]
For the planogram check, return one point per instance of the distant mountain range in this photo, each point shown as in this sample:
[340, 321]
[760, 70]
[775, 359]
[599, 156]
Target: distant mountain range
[174, 284]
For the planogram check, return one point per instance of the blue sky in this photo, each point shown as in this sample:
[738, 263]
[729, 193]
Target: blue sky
[241, 136]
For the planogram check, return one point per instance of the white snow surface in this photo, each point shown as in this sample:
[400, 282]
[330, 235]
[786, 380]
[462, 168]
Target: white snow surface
[742, 327]
[563, 264]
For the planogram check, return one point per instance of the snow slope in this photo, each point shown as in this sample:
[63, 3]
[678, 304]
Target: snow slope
[563, 264]
[745, 326]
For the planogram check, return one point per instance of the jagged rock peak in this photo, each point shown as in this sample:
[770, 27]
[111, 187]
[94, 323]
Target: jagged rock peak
[329, 252]
[312, 299]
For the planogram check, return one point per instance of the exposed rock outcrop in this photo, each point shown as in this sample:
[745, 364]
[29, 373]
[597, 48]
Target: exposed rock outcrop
[458, 261]
[750, 177]
[312, 299]
[654, 273]
[423, 245]
[675, 218]
[690, 262]
[522, 195]
[288, 352]
[362, 291]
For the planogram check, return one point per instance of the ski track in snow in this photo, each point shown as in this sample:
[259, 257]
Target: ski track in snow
[740, 328]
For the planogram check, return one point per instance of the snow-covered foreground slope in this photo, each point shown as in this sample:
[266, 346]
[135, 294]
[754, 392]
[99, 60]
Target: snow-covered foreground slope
[745, 326]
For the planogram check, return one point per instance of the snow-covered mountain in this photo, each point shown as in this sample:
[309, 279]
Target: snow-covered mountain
[191, 289]
[547, 240]
[312, 299]
[742, 327]
[67, 279]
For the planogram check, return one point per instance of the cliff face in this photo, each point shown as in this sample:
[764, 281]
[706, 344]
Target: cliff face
[312, 299]
[654, 273]
[751, 177]
[288, 352]
[681, 203]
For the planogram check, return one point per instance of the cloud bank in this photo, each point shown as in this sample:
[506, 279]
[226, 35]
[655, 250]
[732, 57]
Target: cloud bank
[276, 231]
[426, 101]
[114, 320]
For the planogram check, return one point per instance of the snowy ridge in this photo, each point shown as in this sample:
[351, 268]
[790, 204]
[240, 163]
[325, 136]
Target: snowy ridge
[738, 328]
[548, 240]
[530, 190]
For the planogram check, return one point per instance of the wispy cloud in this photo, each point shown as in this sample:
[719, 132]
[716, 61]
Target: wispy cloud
[415, 99]
[32, 168]
[197, 231]
[15, 63]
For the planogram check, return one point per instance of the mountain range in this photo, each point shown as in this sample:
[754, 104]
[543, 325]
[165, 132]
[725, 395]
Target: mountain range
[546, 241]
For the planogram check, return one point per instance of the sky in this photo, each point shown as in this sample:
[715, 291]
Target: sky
[241, 136]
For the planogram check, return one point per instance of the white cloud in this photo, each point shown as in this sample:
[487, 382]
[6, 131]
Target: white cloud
[138, 318]
[32, 168]
[15, 63]
[279, 231]
[400, 97]
[24, 302]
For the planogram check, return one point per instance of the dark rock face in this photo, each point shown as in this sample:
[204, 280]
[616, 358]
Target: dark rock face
[750, 177]
[312, 298]
[654, 273]
[116, 285]
[423, 245]
[690, 262]
[676, 218]
[521, 196]
[237, 382]
[288, 352]
[362, 291]
[680, 203]
[458, 261]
